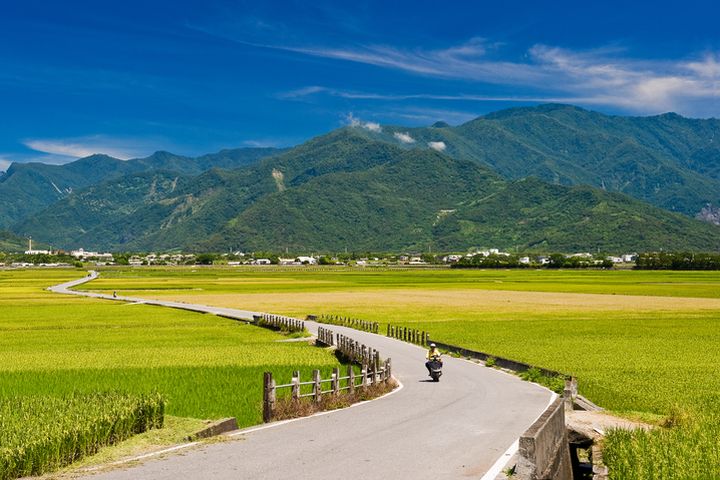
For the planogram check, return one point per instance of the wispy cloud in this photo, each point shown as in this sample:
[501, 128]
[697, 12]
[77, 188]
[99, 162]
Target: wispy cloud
[439, 146]
[461, 97]
[263, 143]
[68, 149]
[593, 77]
[404, 137]
[4, 164]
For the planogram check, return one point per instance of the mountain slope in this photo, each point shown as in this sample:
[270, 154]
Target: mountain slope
[667, 160]
[388, 190]
[27, 188]
[533, 215]
[389, 206]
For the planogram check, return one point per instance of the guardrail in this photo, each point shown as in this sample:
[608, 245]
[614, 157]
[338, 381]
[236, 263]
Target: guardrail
[419, 337]
[373, 371]
[356, 323]
[279, 322]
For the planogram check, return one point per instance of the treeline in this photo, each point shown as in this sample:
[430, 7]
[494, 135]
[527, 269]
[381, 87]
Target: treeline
[37, 259]
[678, 261]
[556, 260]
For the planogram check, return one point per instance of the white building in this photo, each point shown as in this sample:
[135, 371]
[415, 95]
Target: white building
[81, 253]
[306, 260]
[31, 251]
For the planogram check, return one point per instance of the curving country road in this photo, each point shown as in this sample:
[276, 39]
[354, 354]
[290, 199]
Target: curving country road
[465, 426]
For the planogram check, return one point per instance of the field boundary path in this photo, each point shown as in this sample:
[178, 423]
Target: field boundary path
[466, 426]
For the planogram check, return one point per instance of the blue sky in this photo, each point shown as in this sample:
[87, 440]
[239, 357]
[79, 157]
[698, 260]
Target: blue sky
[128, 78]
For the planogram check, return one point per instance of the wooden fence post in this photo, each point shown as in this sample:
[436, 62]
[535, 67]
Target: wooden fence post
[268, 397]
[363, 373]
[351, 380]
[296, 385]
[336, 381]
[317, 386]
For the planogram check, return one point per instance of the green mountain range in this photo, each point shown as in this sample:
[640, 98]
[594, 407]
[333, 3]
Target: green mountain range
[27, 188]
[552, 177]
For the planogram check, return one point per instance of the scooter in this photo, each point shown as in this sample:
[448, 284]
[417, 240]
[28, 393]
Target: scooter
[435, 365]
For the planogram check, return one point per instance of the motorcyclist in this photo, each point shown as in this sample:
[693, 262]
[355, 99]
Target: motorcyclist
[432, 355]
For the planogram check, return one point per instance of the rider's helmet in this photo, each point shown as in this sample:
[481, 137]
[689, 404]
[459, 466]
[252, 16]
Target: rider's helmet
[432, 345]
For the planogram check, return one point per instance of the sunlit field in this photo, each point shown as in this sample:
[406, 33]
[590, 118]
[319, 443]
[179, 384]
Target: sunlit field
[638, 346]
[204, 366]
[641, 343]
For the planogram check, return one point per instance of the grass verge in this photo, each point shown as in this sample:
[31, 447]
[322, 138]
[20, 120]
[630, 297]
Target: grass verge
[286, 408]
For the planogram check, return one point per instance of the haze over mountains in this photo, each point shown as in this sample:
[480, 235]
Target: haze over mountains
[552, 177]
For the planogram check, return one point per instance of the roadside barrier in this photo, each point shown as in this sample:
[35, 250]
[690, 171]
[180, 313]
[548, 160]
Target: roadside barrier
[410, 335]
[373, 371]
[279, 322]
[356, 323]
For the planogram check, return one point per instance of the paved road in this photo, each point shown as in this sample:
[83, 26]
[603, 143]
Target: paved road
[457, 428]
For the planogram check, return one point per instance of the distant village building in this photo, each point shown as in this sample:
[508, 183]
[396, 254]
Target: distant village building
[81, 253]
[30, 250]
[307, 260]
[261, 261]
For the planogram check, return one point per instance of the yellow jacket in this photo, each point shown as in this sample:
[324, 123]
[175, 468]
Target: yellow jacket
[433, 352]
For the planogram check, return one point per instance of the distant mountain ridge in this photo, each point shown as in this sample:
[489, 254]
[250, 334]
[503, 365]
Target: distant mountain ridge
[552, 177]
[27, 188]
[667, 160]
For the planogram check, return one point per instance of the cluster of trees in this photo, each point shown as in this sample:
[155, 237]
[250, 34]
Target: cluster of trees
[677, 261]
[37, 259]
[556, 260]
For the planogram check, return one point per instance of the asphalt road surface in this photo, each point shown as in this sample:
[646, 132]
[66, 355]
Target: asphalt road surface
[465, 426]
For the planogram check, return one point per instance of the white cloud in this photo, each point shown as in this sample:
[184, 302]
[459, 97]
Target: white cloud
[373, 127]
[62, 150]
[439, 146]
[302, 92]
[357, 123]
[4, 164]
[591, 77]
[404, 137]
[61, 147]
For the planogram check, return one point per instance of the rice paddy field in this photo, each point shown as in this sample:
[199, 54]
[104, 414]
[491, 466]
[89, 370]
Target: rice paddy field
[641, 343]
[56, 348]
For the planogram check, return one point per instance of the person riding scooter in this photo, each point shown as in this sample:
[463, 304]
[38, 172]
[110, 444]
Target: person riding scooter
[433, 355]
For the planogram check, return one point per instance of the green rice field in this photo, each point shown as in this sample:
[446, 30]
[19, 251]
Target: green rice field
[641, 329]
[204, 366]
[641, 343]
